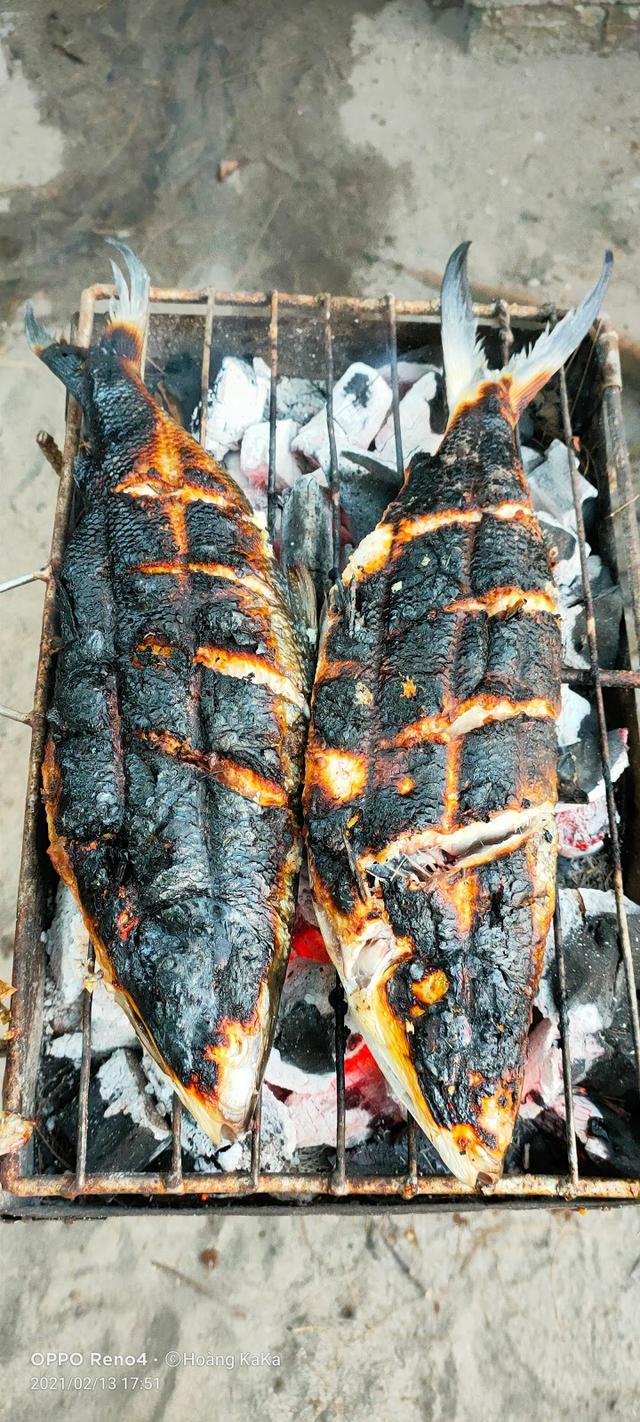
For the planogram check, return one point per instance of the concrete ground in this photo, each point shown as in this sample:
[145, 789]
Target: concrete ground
[370, 143]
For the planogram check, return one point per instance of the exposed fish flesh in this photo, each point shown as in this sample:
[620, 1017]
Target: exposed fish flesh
[431, 770]
[173, 763]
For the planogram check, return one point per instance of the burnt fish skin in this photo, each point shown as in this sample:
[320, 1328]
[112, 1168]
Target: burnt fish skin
[431, 765]
[173, 765]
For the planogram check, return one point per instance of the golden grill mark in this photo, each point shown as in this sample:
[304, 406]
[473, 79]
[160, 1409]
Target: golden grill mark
[183, 493]
[248, 581]
[341, 775]
[370, 555]
[248, 667]
[469, 716]
[504, 600]
[247, 783]
[386, 542]
[410, 528]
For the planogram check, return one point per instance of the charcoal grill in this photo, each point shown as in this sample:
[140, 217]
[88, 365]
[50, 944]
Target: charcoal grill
[308, 336]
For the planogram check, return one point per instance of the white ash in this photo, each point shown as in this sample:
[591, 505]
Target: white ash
[289, 1077]
[121, 1086]
[543, 1089]
[409, 373]
[239, 398]
[415, 423]
[562, 543]
[299, 400]
[160, 1090]
[583, 820]
[314, 1118]
[67, 1045]
[67, 943]
[254, 458]
[361, 402]
[575, 710]
[278, 1140]
[580, 909]
[549, 479]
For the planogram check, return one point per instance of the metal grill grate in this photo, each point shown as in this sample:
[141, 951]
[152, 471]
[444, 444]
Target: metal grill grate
[195, 318]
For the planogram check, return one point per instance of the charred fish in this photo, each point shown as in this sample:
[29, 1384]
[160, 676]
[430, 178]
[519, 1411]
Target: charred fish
[431, 766]
[176, 730]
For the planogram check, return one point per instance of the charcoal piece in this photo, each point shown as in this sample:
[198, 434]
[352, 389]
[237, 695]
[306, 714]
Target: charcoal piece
[306, 539]
[126, 1131]
[600, 1036]
[306, 1038]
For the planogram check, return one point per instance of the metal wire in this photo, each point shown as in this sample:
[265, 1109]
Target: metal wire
[206, 367]
[85, 1076]
[174, 1178]
[272, 504]
[572, 1144]
[412, 1130]
[334, 472]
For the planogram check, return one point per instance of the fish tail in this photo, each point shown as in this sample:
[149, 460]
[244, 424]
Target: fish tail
[530, 370]
[465, 361]
[129, 308]
[64, 359]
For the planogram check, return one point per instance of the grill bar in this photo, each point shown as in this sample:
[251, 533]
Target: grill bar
[411, 1183]
[256, 1125]
[300, 1185]
[273, 354]
[572, 1144]
[334, 480]
[395, 392]
[337, 996]
[174, 1178]
[85, 1075]
[206, 367]
[17, 1173]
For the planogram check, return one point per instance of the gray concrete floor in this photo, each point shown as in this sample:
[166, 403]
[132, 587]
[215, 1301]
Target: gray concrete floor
[370, 143]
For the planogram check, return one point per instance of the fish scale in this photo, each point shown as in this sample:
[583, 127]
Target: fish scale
[431, 764]
[177, 725]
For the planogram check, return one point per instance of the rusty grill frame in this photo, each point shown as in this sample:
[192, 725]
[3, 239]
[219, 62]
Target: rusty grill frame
[81, 1193]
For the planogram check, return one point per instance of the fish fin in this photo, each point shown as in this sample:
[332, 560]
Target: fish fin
[302, 599]
[530, 370]
[465, 362]
[129, 308]
[65, 360]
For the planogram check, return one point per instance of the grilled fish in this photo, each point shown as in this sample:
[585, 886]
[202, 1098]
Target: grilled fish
[176, 731]
[431, 765]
